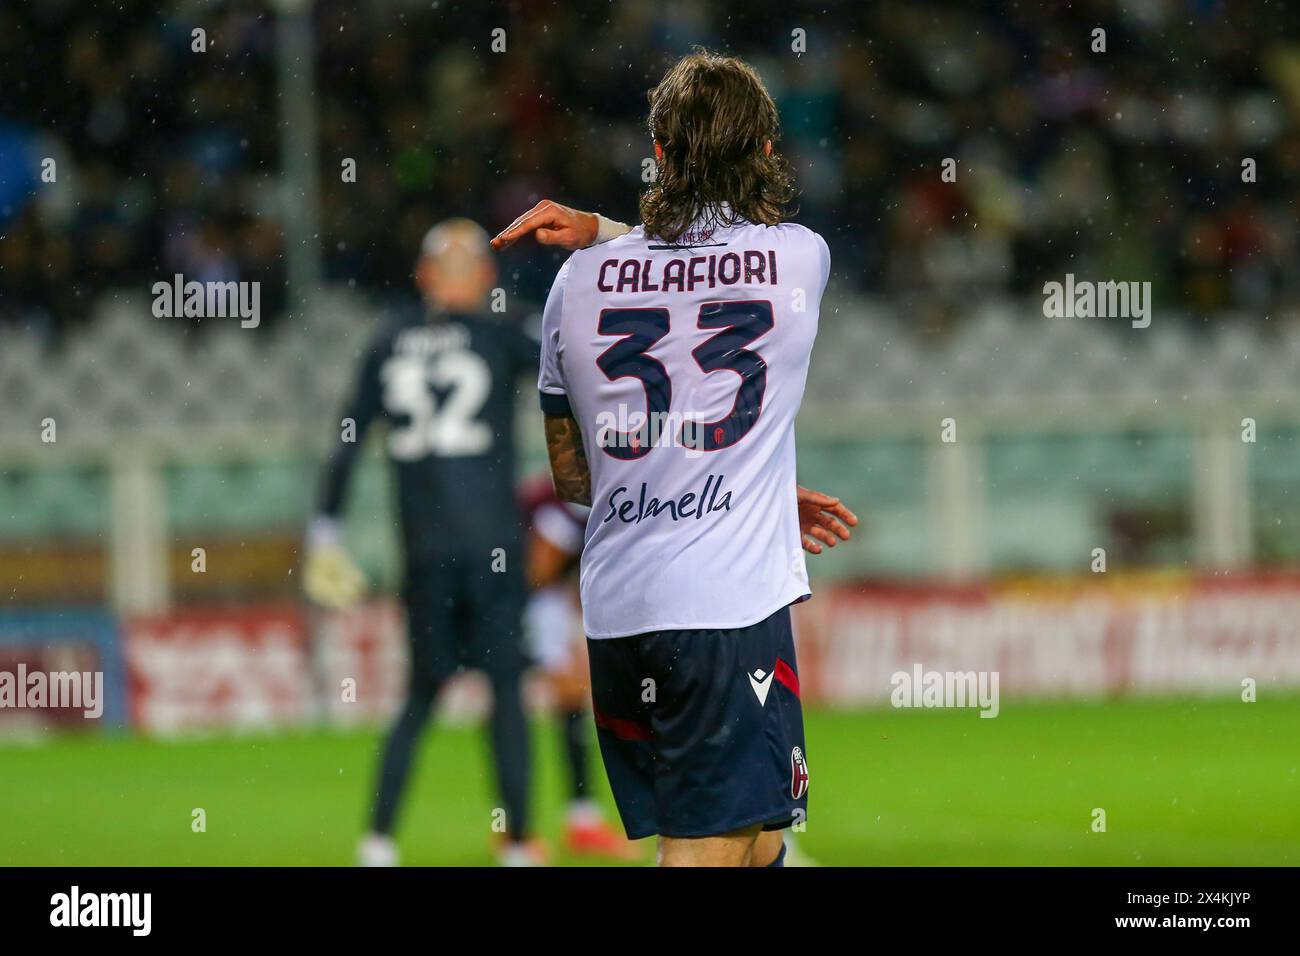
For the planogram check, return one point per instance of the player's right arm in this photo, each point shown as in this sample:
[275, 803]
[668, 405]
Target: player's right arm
[330, 576]
[569, 469]
[554, 225]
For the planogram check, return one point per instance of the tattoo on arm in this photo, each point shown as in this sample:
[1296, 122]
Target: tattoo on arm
[569, 468]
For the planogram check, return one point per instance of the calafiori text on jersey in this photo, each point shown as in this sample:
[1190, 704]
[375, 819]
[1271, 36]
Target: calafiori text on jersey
[686, 274]
[684, 365]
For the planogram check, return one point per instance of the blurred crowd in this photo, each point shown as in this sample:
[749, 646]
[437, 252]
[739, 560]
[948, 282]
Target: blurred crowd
[1123, 164]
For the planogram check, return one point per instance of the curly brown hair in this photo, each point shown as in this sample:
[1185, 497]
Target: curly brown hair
[712, 117]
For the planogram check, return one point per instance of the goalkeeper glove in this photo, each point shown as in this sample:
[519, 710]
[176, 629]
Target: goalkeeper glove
[330, 577]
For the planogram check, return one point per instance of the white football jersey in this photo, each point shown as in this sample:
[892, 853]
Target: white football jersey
[684, 366]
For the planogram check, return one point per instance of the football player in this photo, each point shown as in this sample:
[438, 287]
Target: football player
[674, 358]
[442, 380]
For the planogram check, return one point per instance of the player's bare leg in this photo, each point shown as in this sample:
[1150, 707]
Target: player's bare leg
[728, 849]
[767, 847]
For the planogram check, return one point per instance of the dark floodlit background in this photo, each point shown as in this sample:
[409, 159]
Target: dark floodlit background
[1115, 529]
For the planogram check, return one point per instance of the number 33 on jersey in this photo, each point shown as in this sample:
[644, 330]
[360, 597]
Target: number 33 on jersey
[684, 367]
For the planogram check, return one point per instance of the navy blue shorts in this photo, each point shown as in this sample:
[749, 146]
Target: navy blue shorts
[702, 731]
[461, 613]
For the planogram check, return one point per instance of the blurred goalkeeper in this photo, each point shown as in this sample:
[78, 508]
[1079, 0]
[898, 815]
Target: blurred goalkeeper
[443, 380]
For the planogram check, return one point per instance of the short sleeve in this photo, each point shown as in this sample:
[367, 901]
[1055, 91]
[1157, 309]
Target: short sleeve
[550, 380]
[824, 257]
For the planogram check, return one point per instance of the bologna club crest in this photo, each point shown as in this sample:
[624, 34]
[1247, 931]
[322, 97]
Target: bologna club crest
[798, 773]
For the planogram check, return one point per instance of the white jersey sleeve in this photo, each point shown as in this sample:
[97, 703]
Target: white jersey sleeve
[550, 377]
[684, 366]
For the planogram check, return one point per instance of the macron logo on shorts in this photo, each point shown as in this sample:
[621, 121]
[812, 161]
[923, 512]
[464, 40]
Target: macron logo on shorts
[761, 683]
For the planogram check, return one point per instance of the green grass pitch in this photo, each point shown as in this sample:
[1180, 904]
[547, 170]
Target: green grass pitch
[1182, 782]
